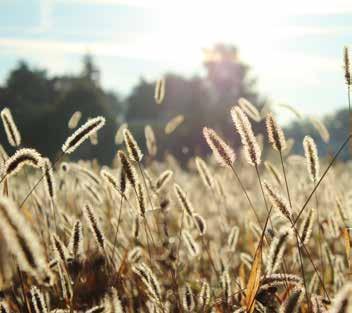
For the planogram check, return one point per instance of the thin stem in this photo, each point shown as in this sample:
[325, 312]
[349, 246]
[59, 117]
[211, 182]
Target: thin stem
[246, 195]
[296, 235]
[310, 259]
[223, 218]
[146, 226]
[205, 246]
[117, 230]
[263, 195]
[149, 198]
[260, 244]
[285, 177]
[320, 237]
[179, 239]
[322, 177]
[349, 115]
[302, 271]
[249, 201]
[289, 199]
[271, 224]
[40, 179]
[349, 100]
[147, 237]
[298, 238]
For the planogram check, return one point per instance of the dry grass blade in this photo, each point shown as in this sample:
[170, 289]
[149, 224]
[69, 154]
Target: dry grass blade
[254, 280]
[347, 240]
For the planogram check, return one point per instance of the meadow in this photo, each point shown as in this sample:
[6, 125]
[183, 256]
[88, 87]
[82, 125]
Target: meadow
[259, 230]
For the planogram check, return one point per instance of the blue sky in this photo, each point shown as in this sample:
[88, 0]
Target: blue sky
[294, 47]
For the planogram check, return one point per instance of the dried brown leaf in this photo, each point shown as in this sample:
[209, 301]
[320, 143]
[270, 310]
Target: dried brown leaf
[254, 279]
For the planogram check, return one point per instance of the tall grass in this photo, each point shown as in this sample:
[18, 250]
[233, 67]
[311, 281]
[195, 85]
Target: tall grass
[229, 233]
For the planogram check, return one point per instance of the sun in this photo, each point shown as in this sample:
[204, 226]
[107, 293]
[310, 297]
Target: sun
[193, 26]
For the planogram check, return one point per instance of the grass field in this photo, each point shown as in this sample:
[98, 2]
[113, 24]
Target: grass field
[251, 232]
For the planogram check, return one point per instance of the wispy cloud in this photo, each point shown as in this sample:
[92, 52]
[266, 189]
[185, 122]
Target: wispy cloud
[298, 7]
[269, 63]
[65, 47]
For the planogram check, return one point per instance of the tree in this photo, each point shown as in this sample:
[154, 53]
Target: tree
[42, 106]
[229, 79]
[204, 101]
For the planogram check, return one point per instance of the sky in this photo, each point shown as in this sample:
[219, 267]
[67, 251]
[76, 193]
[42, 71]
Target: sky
[294, 47]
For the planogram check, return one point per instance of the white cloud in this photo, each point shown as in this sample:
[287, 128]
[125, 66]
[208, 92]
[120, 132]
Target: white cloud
[270, 62]
[298, 7]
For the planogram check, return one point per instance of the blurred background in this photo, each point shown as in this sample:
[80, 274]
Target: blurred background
[103, 57]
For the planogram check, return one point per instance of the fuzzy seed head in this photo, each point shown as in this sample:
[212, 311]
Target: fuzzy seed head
[173, 124]
[109, 179]
[49, 180]
[249, 142]
[183, 201]
[74, 120]
[38, 301]
[233, 238]
[11, 130]
[159, 94]
[141, 199]
[76, 240]
[22, 157]
[222, 152]
[306, 227]
[21, 239]
[163, 180]
[191, 245]
[82, 134]
[200, 224]
[312, 159]
[249, 109]
[134, 152]
[275, 134]
[128, 169]
[119, 134]
[150, 140]
[94, 226]
[343, 300]
[277, 200]
[226, 286]
[347, 66]
[204, 295]
[276, 251]
[59, 248]
[188, 299]
[204, 173]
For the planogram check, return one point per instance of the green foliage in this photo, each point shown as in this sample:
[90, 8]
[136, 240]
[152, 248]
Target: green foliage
[42, 106]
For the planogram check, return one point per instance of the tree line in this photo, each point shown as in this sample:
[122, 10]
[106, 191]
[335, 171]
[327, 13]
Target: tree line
[42, 106]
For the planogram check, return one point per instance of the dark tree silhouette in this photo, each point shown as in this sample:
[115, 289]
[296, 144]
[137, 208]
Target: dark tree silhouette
[42, 107]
